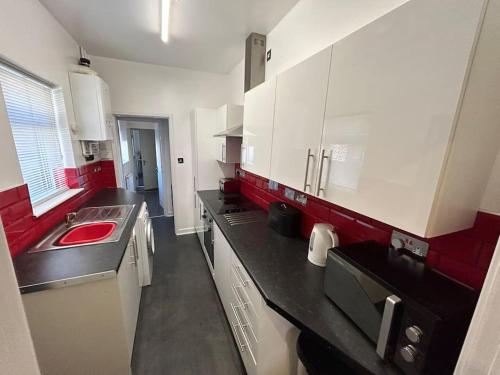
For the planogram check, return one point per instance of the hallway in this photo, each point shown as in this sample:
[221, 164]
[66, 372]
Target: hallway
[181, 327]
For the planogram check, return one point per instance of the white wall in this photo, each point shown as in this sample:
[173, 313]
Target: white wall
[312, 25]
[32, 39]
[17, 354]
[152, 90]
[491, 197]
[236, 84]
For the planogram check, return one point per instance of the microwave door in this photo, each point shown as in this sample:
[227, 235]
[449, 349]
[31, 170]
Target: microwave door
[361, 298]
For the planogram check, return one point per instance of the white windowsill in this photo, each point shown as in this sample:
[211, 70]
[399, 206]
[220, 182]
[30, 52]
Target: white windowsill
[46, 206]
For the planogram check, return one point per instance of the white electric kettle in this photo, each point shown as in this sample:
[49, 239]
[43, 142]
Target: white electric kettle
[323, 238]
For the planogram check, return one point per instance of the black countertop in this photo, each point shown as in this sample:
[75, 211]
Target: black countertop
[293, 287]
[38, 271]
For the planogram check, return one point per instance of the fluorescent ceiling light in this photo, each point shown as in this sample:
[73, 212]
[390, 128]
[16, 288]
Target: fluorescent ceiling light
[165, 16]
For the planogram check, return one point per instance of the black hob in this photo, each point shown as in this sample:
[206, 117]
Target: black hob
[234, 203]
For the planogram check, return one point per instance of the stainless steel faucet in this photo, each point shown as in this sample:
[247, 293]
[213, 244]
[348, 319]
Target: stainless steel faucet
[70, 218]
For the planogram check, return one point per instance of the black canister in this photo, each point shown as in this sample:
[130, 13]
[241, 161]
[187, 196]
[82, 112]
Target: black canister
[284, 219]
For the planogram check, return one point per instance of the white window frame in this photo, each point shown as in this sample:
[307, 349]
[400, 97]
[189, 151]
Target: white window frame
[62, 193]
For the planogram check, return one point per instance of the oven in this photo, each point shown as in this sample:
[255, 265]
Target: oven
[416, 317]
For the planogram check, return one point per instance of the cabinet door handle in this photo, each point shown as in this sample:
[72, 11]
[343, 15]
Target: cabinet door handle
[235, 330]
[240, 299]
[239, 276]
[309, 155]
[321, 164]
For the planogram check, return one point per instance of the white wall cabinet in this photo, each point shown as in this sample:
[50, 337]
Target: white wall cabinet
[258, 119]
[92, 106]
[298, 122]
[266, 341]
[394, 97]
[228, 149]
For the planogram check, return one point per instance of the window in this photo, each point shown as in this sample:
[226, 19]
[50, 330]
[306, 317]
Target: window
[32, 107]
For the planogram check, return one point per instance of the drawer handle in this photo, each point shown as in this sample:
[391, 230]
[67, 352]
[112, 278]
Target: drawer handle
[239, 276]
[235, 330]
[240, 299]
[240, 325]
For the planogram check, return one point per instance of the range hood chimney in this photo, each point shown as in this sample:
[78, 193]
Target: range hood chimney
[255, 60]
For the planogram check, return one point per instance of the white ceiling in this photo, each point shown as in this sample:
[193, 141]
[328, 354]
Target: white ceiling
[206, 35]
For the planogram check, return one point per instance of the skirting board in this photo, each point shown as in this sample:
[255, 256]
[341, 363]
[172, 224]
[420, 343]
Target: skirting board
[184, 231]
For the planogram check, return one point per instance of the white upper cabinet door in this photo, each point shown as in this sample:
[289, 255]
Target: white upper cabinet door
[92, 107]
[298, 121]
[258, 118]
[394, 94]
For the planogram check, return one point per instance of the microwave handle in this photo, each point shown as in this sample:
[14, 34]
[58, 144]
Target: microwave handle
[390, 309]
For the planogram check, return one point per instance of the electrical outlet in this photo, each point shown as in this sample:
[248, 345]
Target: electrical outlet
[290, 194]
[273, 185]
[403, 241]
[301, 198]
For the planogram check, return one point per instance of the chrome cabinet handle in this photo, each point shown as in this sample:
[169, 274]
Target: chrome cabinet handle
[240, 299]
[240, 325]
[239, 276]
[323, 157]
[309, 155]
[235, 330]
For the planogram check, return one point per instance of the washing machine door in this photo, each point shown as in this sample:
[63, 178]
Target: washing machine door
[150, 238]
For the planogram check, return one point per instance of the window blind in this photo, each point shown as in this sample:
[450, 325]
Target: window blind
[31, 109]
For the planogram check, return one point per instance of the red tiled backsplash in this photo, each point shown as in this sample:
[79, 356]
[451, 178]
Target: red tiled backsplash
[23, 229]
[464, 256]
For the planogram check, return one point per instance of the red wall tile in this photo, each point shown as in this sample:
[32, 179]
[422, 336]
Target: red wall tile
[464, 256]
[22, 229]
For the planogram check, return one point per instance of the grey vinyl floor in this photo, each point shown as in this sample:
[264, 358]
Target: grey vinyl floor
[153, 201]
[182, 328]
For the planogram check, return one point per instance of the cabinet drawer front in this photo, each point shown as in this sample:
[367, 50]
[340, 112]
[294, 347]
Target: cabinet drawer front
[246, 282]
[244, 346]
[248, 308]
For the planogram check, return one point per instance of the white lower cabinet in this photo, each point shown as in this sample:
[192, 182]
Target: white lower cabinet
[130, 291]
[88, 327]
[266, 341]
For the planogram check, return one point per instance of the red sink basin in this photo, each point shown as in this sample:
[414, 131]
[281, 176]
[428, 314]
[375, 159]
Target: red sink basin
[87, 233]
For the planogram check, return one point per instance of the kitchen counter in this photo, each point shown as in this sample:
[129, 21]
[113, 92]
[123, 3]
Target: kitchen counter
[293, 287]
[49, 269]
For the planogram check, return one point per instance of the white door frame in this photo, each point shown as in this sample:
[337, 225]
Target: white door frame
[120, 178]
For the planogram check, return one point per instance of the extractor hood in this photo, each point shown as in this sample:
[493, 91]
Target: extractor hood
[235, 131]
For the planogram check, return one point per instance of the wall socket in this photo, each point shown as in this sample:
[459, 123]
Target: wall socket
[290, 194]
[273, 185]
[301, 198]
[403, 241]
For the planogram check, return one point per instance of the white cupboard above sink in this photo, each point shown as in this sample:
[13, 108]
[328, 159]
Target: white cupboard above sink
[92, 106]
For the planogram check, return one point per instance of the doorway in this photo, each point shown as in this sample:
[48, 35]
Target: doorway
[145, 161]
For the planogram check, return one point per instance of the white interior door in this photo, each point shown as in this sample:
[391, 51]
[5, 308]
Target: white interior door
[148, 158]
